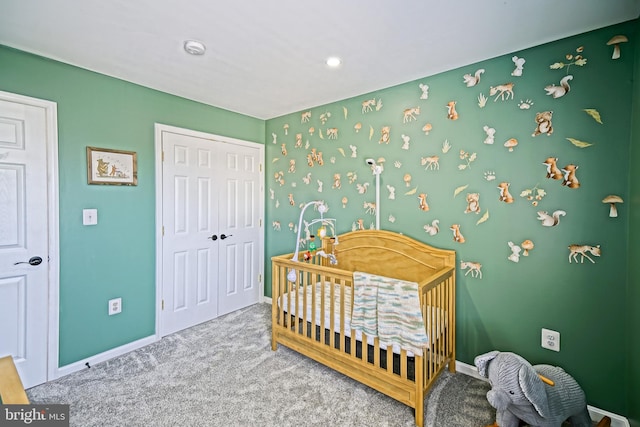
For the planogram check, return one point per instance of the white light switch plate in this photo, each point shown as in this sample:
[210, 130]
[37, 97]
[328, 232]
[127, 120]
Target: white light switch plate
[89, 216]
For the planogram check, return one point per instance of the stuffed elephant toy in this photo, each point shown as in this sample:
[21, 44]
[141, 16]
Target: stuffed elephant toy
[540, 395]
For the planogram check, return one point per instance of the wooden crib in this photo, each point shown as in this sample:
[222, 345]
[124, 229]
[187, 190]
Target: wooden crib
[309, 314]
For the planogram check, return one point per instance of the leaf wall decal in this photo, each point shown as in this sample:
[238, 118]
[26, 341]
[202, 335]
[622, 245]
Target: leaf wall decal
[411, 192]
[578, 143]
[484, 218]
[594, 113]
[459, 190]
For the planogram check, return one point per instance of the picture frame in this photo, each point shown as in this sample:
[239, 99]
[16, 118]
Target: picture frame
[111, 167]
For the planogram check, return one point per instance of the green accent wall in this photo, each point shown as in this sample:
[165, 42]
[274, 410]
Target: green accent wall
[633, 298]
[507, 308]
[115, 258]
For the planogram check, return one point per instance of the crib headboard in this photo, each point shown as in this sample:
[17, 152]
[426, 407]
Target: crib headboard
[391, 254]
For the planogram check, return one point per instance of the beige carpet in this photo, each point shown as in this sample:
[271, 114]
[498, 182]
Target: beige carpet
[224, 373]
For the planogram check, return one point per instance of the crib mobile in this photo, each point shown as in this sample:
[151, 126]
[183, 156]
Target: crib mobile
[292, 275]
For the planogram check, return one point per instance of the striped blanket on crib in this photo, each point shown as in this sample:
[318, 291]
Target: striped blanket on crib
[389, 309]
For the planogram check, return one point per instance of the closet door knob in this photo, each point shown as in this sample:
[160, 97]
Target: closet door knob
[224, 236]
[214, 237]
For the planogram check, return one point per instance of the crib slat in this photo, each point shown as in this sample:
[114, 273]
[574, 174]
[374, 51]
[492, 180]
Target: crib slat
[314, 309]
[303, 327]
[451, 287]
[376, 352]
[275, 313]
[323, 309]
[332, 310]
[403, 363]
[353, 344]
[426, 303]
[342, 315]
[439, 342]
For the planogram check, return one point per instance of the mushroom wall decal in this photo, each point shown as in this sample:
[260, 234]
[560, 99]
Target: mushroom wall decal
[511, 142]
[527, 245]
[615, 41]
[612, 199]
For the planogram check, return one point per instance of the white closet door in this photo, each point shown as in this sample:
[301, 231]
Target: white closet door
[212, 244]
[239, 222]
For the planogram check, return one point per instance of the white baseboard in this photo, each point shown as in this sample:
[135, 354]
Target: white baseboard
[470, 370]
[102, 357]
[595, 413]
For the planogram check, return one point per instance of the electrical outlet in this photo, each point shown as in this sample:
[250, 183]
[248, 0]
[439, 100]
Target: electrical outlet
[550, 339]
[115, 306]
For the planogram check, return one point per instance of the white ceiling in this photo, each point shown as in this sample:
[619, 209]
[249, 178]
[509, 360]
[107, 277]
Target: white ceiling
[266, 58]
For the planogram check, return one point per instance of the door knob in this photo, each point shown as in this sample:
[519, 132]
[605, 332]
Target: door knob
[35, 260]
[224, 236]
[214, 237]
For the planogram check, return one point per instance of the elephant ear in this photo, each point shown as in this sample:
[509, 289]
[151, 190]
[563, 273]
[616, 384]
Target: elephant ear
[533, 388]
[482, 362]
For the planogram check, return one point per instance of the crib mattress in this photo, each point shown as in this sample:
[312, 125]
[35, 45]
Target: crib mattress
[436, 314]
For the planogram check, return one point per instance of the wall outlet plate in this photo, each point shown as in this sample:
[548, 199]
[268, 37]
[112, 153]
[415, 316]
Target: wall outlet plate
[550, 339]
[115, 306]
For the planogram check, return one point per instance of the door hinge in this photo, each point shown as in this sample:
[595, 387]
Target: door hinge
[163, 230]
[259, 278]
[260, 167]
[163, 155]
[162, 304]
[260, 223]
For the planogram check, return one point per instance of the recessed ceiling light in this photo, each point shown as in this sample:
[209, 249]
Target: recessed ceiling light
[193, 47]
[334, 61]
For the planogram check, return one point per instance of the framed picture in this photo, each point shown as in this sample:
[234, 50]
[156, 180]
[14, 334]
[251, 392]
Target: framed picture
[111, 167]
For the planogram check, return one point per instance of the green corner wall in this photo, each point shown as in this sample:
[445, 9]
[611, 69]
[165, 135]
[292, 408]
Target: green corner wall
[506, 308]
[116, 258]
[633, 298]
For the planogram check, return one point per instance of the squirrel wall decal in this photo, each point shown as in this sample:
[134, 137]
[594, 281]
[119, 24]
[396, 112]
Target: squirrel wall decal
[432, 228]
[559, 91]
[470, 80]
[550, 220]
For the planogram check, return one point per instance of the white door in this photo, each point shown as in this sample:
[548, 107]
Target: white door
[239, 214]
[211, 210]
[24, 267]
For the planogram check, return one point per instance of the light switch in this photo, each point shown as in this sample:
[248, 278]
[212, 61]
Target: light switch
[89, 216]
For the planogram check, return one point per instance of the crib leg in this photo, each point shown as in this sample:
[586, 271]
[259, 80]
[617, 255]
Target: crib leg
[419, 413]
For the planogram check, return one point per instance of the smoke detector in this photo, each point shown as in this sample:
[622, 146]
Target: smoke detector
[194, 47]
